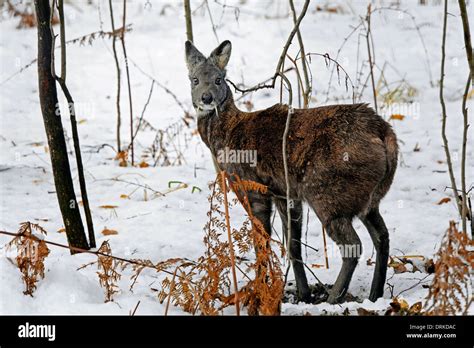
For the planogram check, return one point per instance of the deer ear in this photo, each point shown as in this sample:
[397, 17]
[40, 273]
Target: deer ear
[193, 56]
[220, 56]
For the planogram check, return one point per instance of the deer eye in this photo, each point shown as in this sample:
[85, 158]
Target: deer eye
[195, 81]
[218, 81]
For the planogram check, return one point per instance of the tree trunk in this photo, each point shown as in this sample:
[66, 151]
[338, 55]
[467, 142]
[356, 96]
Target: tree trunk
[189, 23]
[55, 134]
[467, 37]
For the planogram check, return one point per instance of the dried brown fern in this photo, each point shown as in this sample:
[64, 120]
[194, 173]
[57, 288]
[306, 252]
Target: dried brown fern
[451, 290]
[205, 286]
[263, 294]
[31, 253]
[108, 274]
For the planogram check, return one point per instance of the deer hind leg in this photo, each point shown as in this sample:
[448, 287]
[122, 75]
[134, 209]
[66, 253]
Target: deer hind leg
[374, 223]
[341, 231]
[304, 293]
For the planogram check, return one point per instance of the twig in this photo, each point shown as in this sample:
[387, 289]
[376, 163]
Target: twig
[347, 78]
[443, 108]
[136, 307]
[371, 63]
[246, 91]
[464, 211]
[99, 33]
[346, 39]
[159, 84]
[80, 250]
[325, 248]
[117, 66]
[135, 184]
[287, 179]
[413, 286]
[418, 30]
[231, 244]
[212, 20]
[278, 70]
[467, 36]
[308, 87]
[171, 290]
[144, 109]
[124, 49]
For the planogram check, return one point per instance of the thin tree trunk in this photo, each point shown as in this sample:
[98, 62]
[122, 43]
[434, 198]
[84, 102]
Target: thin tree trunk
[369, 53]
[124, 49]
[75, 133]
[307, 89]
[117, 66]
[189, 22]
[444, 113]
[467, 37]
[465, 209]
[54, 131]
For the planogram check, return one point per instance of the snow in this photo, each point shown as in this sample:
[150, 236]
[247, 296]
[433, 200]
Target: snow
[159, 228]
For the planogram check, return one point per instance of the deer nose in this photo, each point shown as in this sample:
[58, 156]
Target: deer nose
[206, 98]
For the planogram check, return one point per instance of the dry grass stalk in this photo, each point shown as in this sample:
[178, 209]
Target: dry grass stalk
[451, 290]
[31, 253]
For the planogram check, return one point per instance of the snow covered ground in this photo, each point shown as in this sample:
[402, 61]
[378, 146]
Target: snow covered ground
[159, 228]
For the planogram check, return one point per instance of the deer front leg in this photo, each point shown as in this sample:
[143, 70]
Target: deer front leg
[304, 293]
[262, 209]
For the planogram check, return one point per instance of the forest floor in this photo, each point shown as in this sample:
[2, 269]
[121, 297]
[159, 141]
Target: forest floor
[150, 226]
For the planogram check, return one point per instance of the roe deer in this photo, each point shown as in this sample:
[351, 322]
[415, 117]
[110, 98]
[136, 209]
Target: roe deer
[341, 161]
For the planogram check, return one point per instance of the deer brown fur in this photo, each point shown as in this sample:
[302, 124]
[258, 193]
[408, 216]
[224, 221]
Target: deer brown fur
[341, 161]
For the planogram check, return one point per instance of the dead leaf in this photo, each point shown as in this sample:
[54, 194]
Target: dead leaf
[124, 196]
[430, 266]
[365, 312]
[143, 164]
[398, 117]
[317, 265]
[415, 308]
[108, 232]
[444, 200]
[122, 158]
[108, 206]
[400, 268]
[403, 304]
[62, 230]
